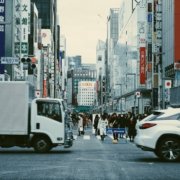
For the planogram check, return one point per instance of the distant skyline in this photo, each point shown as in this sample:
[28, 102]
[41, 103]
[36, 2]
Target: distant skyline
[83, 23]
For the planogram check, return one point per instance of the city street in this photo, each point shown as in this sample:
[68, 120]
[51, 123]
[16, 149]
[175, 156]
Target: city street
[89, 158]
[69, 66]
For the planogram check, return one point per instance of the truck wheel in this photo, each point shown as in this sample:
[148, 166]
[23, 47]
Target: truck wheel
[169, 149]
[42, 144]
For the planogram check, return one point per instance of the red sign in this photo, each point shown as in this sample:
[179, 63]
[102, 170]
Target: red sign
[168, 84]
[142, 65]
[176, 31]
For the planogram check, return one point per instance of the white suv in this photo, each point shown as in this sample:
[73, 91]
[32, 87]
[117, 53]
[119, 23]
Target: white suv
[160, 133]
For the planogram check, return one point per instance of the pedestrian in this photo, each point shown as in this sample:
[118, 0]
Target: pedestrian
[131, 127]
[115, 124]
[102, 125]
[96, 120]
[122, 124]
[80, 125]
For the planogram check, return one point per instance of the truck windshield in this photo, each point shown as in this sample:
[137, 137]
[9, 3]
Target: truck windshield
[51, 110]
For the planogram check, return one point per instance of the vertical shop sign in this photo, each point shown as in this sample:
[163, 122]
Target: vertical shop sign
[22, 23]
[2, 33]
[142, 65]
[25, 10]
[17, 29]
[149, 35]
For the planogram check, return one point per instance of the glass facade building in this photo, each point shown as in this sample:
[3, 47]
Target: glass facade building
[44, 11]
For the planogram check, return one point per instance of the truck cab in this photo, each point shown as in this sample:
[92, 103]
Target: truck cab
[49, 124]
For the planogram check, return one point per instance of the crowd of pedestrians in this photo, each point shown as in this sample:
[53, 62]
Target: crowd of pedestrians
[81, 121]
[128, 122]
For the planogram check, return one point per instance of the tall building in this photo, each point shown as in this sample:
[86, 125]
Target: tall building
[75, 76]
[47, 10]
[101, 73]
[112, 38]
[127, 59]
[86, 93]
[170, 53]
[74, 62]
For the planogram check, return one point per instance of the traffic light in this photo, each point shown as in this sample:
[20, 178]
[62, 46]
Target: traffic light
[29, 63]
[25, 60]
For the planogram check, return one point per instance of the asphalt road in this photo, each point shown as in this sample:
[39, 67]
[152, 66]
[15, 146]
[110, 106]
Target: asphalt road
[88, 159]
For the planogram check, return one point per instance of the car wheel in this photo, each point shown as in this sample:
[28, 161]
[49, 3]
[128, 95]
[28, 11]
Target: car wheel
[169, 149]
[42, 144]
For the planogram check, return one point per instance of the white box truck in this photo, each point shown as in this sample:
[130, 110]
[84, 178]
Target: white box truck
[25, 121]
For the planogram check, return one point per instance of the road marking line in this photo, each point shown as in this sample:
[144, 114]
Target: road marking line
[86, 137]
[75, 136]
[111, 136]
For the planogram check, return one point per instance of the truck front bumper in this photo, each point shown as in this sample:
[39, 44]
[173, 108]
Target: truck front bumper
[68, 143]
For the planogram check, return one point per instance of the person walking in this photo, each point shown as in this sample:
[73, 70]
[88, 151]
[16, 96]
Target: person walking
[102, 125]
[80, 125]
[122, 124]
[131, 127]
[115, 124]
[96, 120]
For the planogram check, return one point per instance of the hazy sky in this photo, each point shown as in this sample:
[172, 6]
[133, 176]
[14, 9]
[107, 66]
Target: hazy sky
[83, 22]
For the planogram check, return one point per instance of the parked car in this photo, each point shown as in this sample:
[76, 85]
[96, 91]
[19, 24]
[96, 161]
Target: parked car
[160, 133]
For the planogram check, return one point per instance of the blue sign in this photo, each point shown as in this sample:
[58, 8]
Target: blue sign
[115, 130]
[150, 17]
[2, 33]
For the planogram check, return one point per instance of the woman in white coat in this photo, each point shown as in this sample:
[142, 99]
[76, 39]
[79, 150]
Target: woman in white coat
[80, 125]
[102, 125]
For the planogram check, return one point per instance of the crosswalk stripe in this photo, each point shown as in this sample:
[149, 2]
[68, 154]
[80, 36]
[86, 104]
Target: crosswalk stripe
[75, 137]
[86, 137]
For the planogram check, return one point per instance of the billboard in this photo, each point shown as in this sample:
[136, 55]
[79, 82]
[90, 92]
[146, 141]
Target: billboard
[142, 65]
[22, 27]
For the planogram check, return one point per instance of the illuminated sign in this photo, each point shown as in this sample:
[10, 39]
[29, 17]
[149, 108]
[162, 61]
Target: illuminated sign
[142, 65]
[87, 84]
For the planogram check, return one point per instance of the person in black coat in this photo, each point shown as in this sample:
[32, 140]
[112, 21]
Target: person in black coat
[115, 124]
[96, 120]
[122, 123]
[131, 126]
